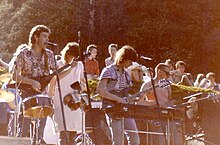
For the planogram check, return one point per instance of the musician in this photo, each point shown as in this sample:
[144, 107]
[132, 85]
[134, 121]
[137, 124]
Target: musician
[114, 84]
[34, 61]
[10, 107]
[91, 64]
[73, 118]
[162, 71]
[112, 48]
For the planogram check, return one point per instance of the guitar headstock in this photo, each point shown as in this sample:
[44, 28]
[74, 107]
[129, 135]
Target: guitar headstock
[163, 83]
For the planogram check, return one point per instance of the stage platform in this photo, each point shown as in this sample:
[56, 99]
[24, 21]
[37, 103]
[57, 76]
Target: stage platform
[5, 140]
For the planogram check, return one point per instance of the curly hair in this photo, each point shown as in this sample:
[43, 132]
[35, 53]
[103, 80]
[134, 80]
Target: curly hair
[37, 30]
[72, 48]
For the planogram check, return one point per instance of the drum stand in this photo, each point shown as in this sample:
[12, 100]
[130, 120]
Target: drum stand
[17, 105]
[83, 138]
[34, 133]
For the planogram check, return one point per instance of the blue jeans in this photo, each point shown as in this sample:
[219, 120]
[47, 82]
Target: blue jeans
[129, 124]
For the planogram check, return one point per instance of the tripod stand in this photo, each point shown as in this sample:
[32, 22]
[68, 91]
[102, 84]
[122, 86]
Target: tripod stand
[83, 138]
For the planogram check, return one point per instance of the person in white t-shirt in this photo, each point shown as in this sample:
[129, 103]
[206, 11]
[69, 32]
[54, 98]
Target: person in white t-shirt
[73, 74]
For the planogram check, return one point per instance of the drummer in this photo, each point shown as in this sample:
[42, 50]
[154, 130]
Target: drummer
[9, 95]
[33, 61]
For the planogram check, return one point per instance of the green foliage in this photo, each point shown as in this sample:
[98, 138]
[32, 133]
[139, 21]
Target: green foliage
[159, 29]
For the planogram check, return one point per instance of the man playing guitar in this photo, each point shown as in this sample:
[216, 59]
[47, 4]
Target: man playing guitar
[113, 86]
[34, 61]
[162, 71]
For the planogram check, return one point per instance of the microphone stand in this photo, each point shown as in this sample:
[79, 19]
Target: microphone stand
[158, 107]
[82, 58]
[16, 110]
[60, 96]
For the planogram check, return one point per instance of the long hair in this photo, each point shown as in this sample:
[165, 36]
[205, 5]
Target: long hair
[37, 30]
[125, 53]
[72, 48]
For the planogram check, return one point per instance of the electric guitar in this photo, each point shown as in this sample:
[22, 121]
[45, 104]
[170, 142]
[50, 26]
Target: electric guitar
[27, 90]
[132, 98]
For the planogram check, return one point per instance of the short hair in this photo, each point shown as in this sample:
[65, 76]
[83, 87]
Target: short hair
[71, 48]
[179, 63]
[168, 61]
[199, 77]
[90, 48]
[112, 45]
[162, 66]
[210, 74]
[126, 53]
[37, 30]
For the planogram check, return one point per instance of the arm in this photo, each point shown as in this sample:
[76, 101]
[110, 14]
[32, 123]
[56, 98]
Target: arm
[203, 83]
[21, 79]
[144, 97]
[68, 70]
[102, 90]
[51, 88]
[4, 64]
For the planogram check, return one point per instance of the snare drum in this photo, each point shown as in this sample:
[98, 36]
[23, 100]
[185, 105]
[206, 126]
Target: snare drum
[38, 106]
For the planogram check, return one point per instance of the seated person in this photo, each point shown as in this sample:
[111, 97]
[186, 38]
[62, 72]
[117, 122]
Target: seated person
[180, 76]
[112, 48]
[91, 64]
[198, 80]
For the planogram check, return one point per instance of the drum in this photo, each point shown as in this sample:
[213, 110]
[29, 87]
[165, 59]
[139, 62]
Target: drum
[38, 106]
[75, 100]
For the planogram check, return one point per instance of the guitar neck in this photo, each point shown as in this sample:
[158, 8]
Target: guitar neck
[137, 95]
[44, 80]
[59, 70]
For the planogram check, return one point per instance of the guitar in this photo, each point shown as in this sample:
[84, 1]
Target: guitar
[27, 90]
[132, 98]
[214, 97]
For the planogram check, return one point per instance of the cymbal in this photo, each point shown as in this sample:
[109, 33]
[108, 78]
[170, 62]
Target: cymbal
[6, 95]
[5, 77]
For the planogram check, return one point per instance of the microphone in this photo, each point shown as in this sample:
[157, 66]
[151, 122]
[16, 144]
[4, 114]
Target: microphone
[51, 44]
[145, 58]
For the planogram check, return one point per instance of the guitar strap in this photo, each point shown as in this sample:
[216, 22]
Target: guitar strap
[113, 86]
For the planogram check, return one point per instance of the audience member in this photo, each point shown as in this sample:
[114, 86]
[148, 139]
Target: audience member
[112, 48]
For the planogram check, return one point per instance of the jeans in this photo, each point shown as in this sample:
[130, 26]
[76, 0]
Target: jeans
[129, 124]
